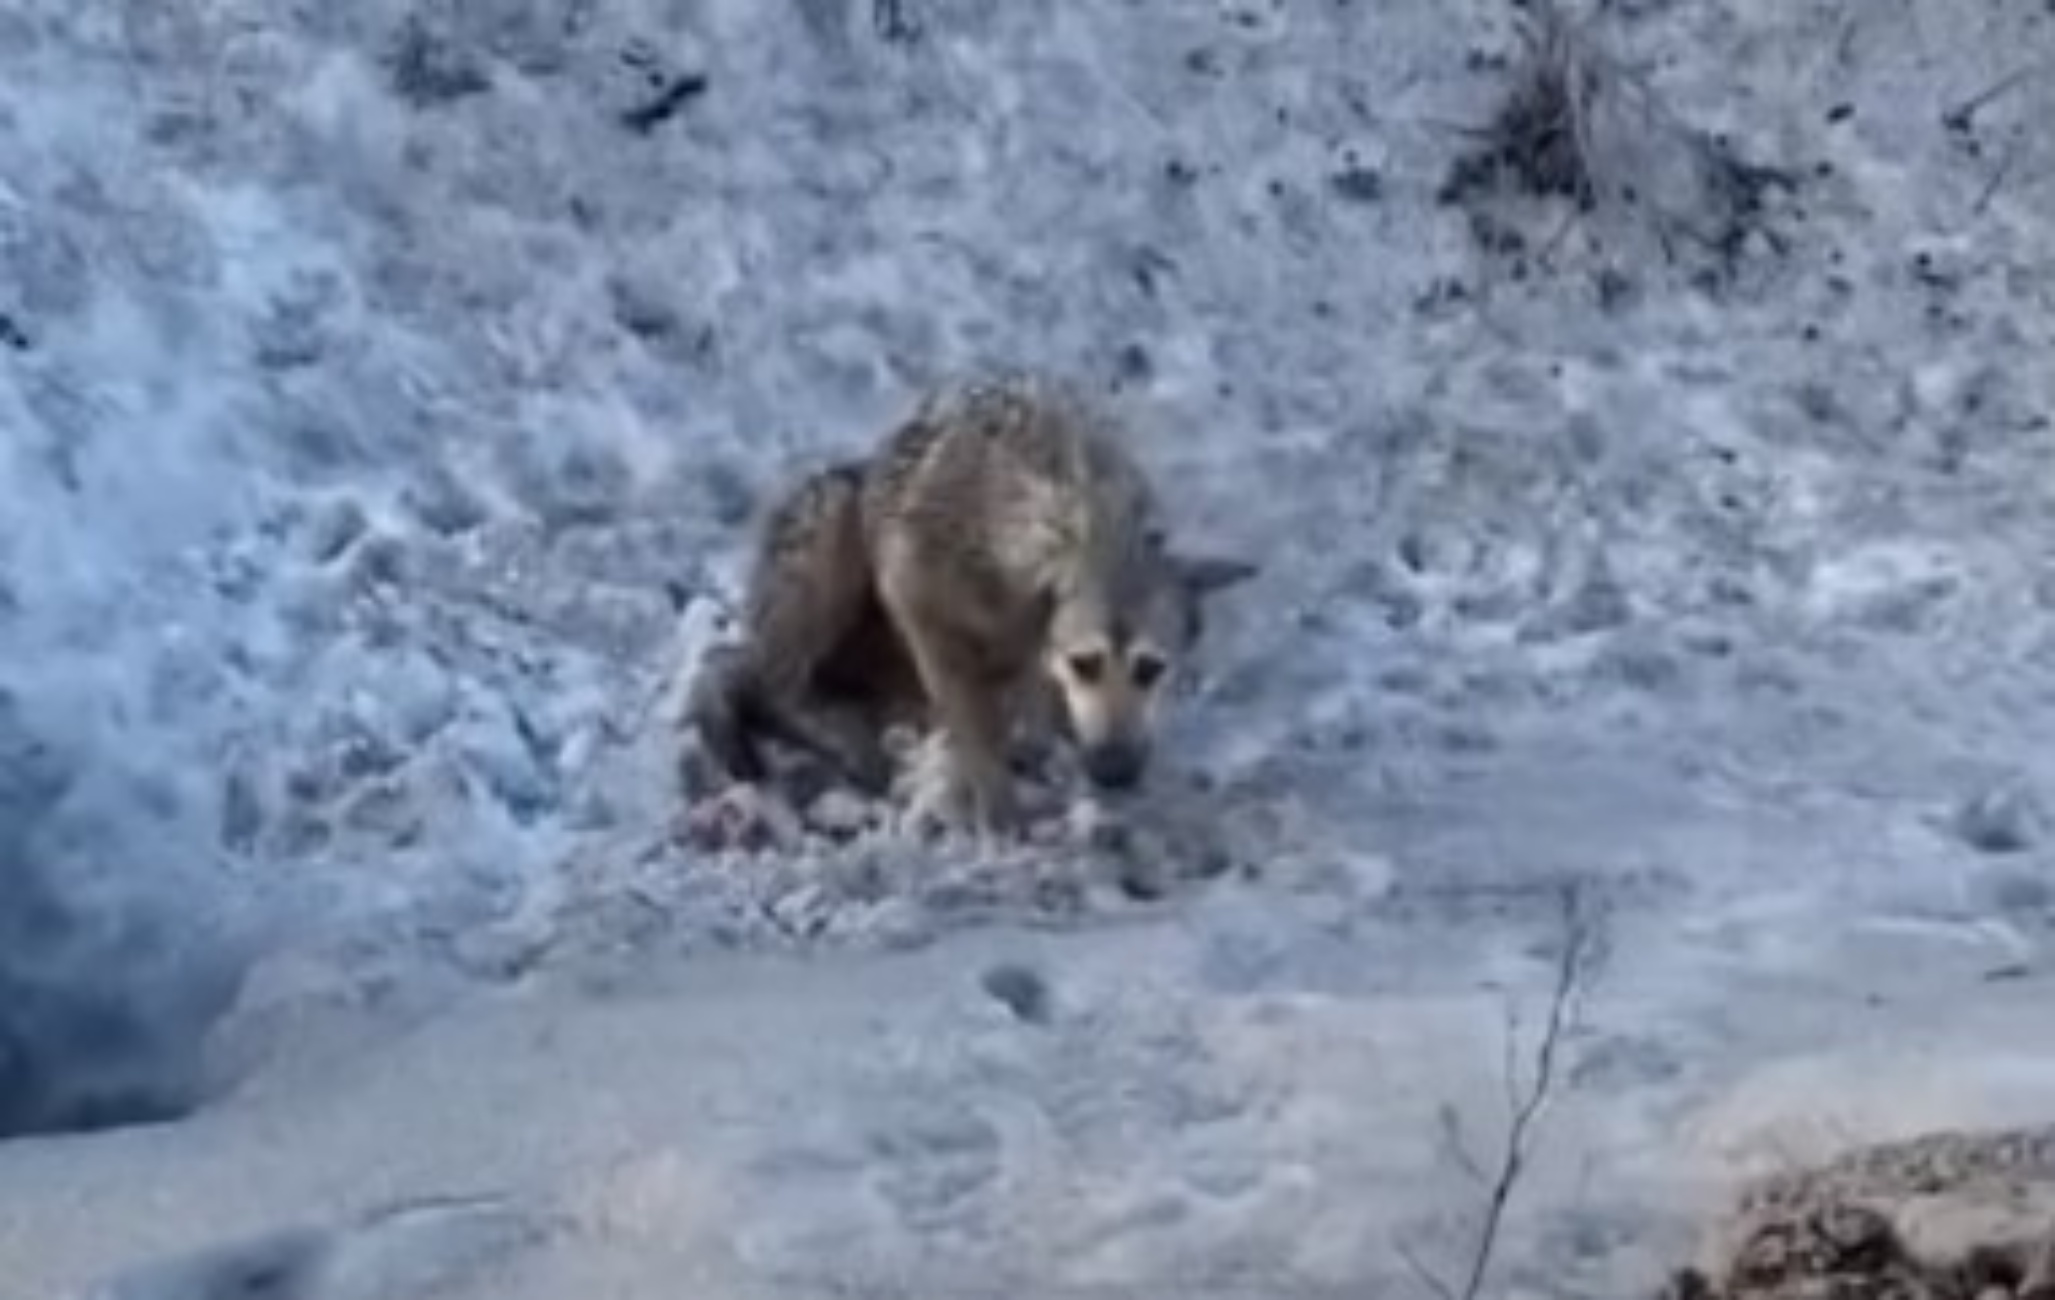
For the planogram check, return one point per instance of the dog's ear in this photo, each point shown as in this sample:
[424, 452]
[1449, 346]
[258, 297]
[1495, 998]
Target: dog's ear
[1202, 575]
[1198, 578]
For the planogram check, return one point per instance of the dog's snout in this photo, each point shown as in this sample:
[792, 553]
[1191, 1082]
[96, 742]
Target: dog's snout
[1116, 764]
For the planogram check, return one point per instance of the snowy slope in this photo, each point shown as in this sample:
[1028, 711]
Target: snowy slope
[385, 393]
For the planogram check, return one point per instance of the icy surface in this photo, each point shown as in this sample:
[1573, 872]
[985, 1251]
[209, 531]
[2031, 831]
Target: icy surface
[385, 392]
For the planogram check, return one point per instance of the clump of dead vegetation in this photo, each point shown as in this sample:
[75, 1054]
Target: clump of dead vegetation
[1576, 125]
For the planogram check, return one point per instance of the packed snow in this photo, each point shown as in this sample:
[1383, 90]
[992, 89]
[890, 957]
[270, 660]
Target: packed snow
[1654, 609]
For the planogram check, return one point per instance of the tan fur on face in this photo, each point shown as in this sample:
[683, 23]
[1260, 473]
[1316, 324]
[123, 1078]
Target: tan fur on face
[1113, 708]
[1139, 625]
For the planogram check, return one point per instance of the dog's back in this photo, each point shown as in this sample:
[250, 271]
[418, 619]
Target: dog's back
[996, 496]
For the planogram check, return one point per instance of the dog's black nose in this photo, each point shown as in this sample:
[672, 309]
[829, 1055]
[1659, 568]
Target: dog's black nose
[1116, 764]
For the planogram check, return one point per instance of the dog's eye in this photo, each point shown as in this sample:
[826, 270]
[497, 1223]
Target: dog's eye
[1148, 669]
[1088, 665]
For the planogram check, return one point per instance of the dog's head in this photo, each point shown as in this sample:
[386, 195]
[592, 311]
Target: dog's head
[1115, 645]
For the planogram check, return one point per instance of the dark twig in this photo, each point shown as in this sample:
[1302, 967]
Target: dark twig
[1578, 939]
[1426, 1275]
[1962, 116]
[1456, 1147]
[1580, 944]
[1998, 175]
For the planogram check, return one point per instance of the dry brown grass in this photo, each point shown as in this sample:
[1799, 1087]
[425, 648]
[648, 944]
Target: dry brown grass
[1576, 125]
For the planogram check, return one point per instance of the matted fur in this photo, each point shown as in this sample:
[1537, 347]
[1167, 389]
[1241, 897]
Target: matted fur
[1000, 540]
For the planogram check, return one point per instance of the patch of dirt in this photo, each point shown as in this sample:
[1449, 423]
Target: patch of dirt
[1944, 1216]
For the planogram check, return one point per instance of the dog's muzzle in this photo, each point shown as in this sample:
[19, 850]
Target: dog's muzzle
[1115, 764]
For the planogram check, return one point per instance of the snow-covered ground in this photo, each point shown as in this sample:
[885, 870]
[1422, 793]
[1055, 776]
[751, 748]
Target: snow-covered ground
[385, 392]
